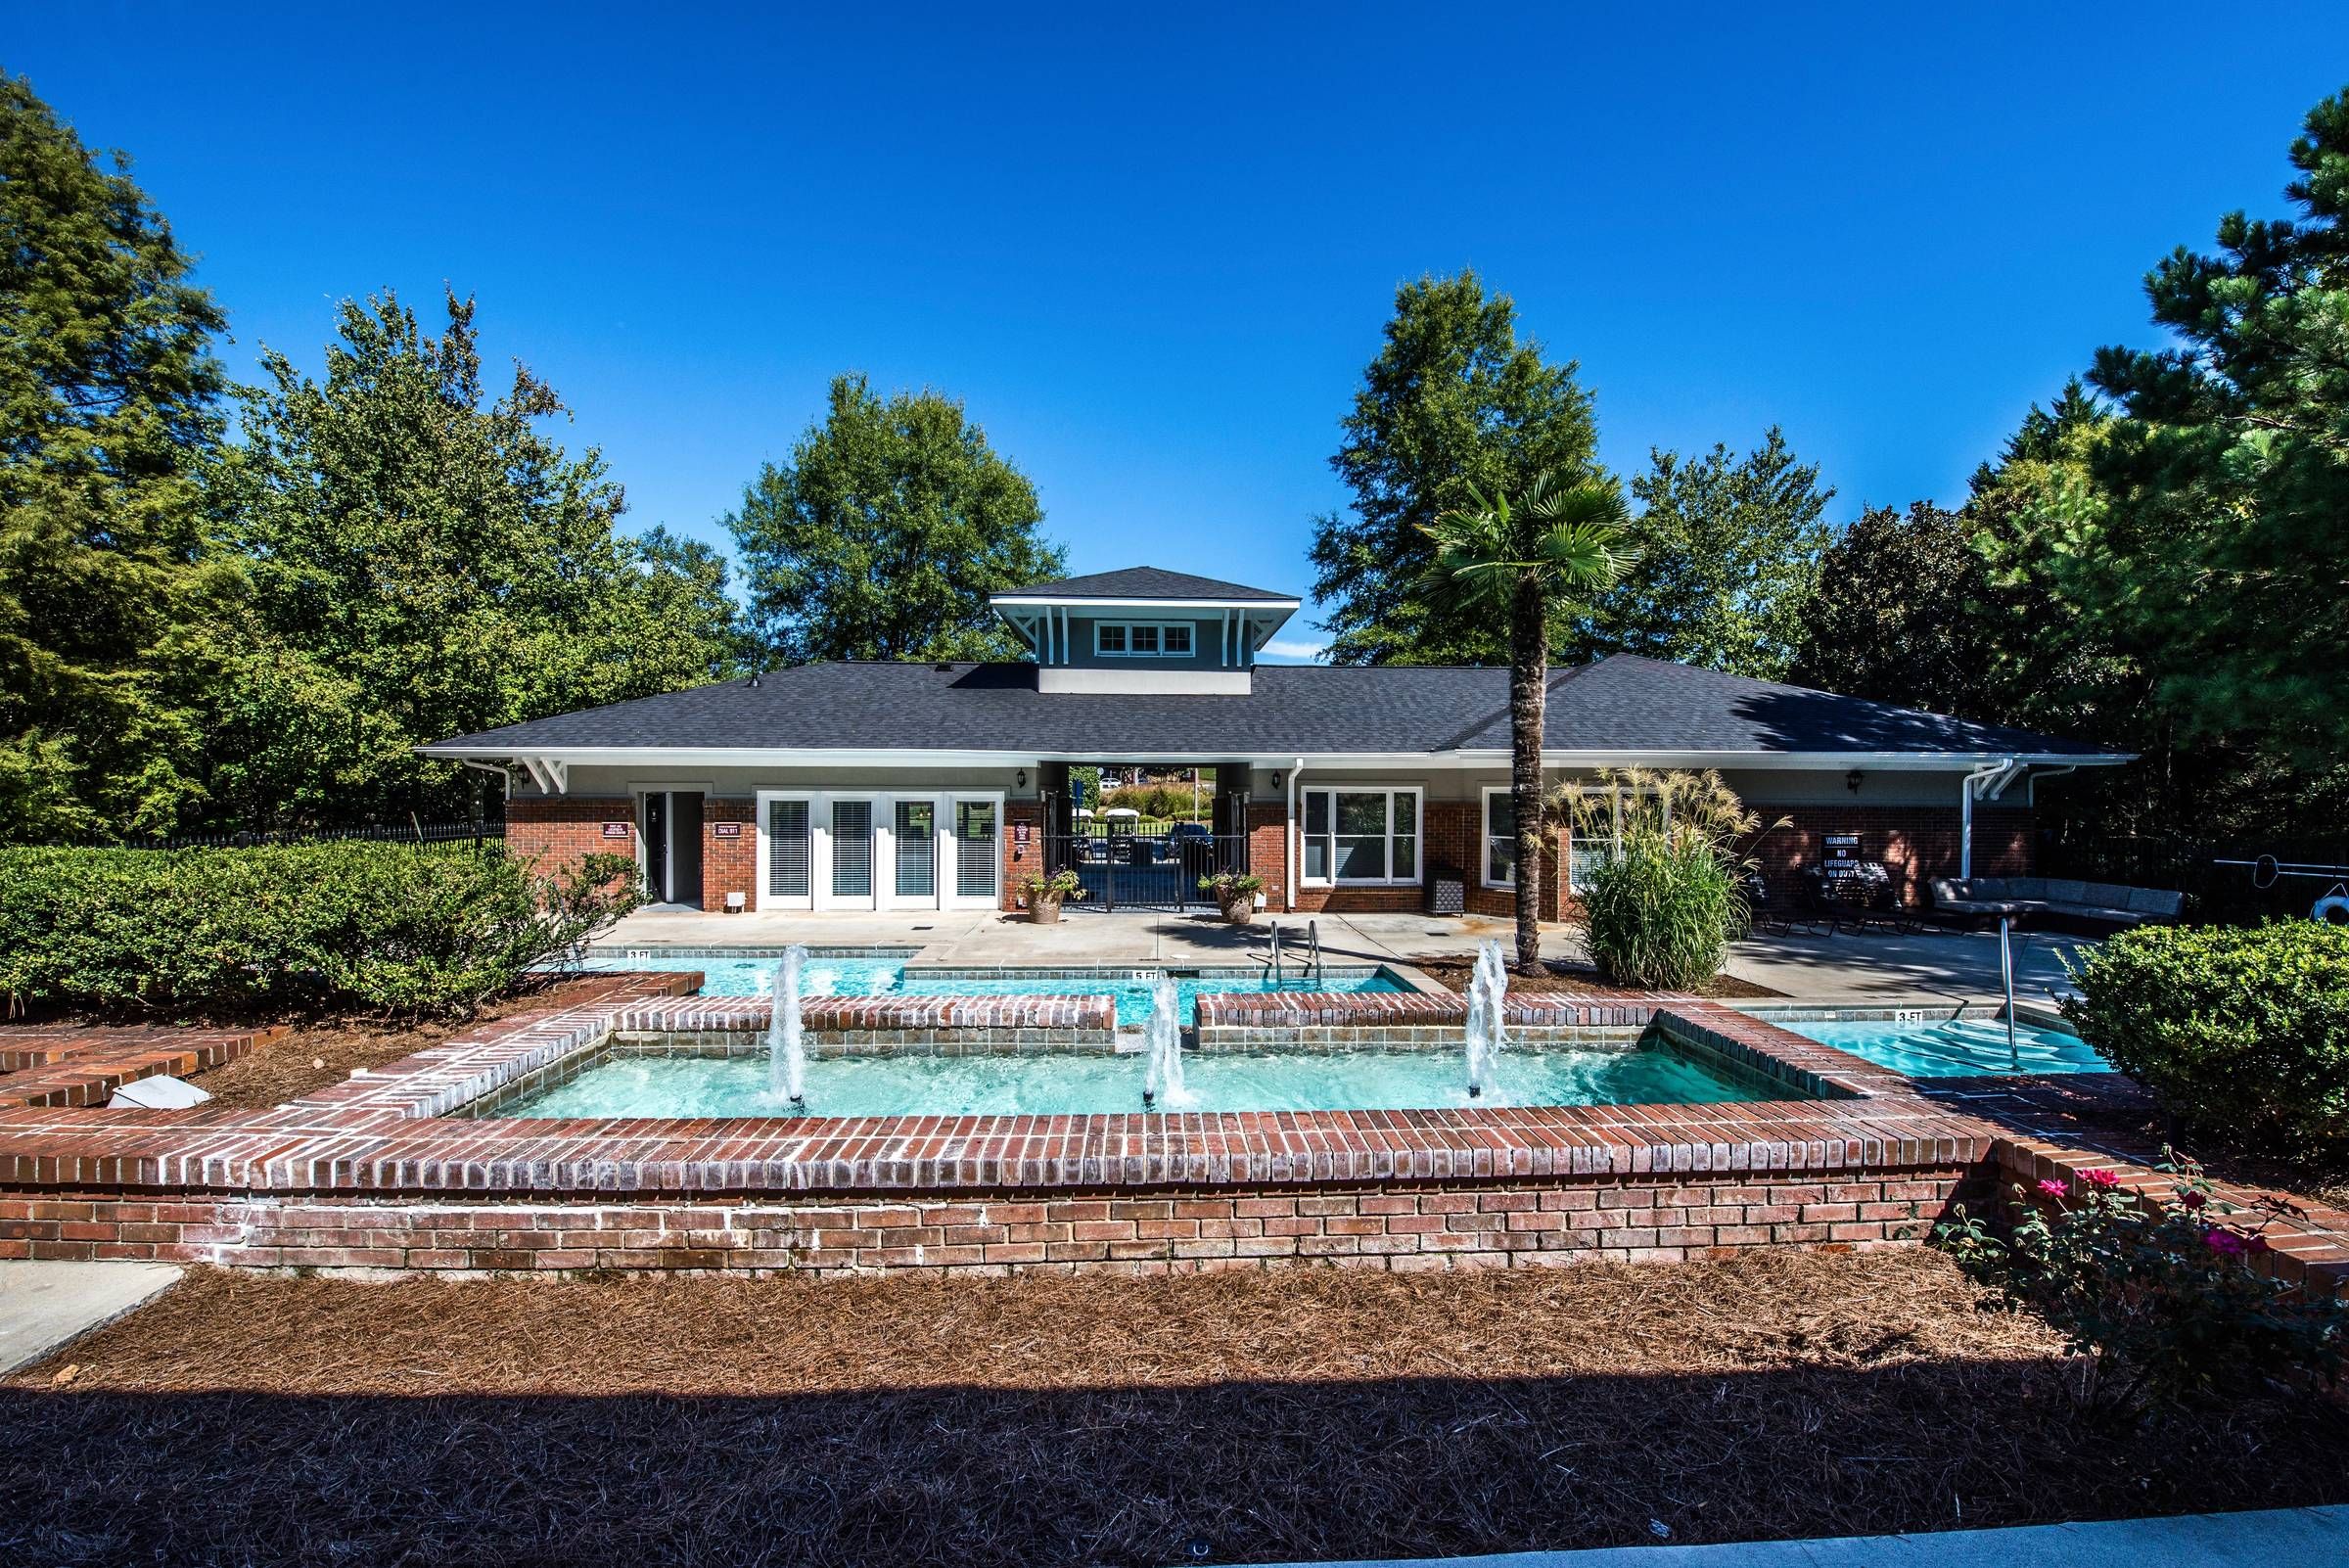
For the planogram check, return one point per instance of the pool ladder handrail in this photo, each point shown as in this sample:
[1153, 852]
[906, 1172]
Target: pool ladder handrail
[1276, 969]
[1312, 934]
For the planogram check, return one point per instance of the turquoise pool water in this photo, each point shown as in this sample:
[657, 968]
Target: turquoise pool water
[1082, 1085]
[1966, 1047]
[886, 977]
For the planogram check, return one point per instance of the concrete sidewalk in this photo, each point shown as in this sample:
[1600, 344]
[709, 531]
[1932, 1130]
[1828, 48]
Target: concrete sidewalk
[44, 1305]
[2267, 1539]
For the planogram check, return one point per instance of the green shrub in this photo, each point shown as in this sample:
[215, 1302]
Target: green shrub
[2244, 1032]
[382, 927]
[1160, 802]
[2159, 1292]
[1661, 911]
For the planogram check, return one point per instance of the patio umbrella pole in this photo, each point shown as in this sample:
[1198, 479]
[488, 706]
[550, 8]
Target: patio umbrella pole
[2015, 1061]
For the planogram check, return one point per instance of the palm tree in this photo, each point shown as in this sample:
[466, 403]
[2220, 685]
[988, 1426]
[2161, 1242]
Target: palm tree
[1517, 557]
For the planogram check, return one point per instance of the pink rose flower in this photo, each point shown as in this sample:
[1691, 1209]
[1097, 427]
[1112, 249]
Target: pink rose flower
[2053, 1189]
[2100, 1178]
[2192, 1199]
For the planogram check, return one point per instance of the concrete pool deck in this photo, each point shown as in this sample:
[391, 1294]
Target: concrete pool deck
[1938, 967]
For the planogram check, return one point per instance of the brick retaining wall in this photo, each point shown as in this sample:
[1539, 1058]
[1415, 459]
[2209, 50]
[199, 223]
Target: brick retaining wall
[1392, 1228]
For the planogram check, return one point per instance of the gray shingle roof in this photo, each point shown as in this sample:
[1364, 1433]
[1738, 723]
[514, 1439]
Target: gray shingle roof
[1152, 583]
[1619, 705]
[1631, 703]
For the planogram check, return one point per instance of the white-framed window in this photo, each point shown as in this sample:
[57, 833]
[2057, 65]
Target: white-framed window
[1361, 834]
[1500, 836]
[1142, 639]
[1590, 847]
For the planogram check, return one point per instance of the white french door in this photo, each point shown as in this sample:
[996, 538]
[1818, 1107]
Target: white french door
[927, 849]
[848, 851]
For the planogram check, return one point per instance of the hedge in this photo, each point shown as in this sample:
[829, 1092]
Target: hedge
[375, 927]
[2240, 1032]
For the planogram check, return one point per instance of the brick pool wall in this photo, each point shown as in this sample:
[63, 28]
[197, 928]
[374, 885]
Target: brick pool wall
[1397, 1227]
[388, 1171]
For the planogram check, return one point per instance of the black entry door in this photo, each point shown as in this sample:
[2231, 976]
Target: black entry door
[685, 847]
[656, 846]
[672, 846]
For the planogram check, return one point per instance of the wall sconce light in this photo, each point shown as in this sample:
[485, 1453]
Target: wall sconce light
[1852, 780]
[1277, 779]
[1023, 779]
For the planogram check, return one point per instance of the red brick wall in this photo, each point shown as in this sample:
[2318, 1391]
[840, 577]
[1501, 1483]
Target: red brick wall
[1494, 1225]
[1915, 841]
[729, 865]
[1020, 860]
[1453, 837]
[556, 832]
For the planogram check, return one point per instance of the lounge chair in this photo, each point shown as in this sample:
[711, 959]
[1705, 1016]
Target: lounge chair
[1767, 913]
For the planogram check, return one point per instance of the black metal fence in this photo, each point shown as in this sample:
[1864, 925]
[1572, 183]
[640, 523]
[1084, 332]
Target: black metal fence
[1153, 866]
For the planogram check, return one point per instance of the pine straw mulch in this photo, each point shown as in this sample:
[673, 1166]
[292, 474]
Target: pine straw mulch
[1044, 1420]
[324, 1051]
[1571, 979]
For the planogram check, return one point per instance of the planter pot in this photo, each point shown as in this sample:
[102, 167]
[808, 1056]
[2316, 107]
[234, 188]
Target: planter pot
[1241, 910]
[1043, 911]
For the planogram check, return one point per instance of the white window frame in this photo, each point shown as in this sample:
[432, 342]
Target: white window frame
[1418, 834]
[1158, 630]
[1613, 844]
[760, 798]
[1483, 867]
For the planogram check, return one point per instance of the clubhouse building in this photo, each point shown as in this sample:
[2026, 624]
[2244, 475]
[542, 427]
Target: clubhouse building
[856, 786]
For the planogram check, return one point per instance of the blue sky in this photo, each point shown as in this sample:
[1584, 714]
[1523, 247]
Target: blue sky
[1152, 251]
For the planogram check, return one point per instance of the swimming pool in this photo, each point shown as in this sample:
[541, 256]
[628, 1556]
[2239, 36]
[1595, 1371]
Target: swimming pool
[750, 975]
[1951, 1047]
[1652, 1073]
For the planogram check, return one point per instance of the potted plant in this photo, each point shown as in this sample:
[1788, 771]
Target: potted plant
[1235, 893]
[1045, 896]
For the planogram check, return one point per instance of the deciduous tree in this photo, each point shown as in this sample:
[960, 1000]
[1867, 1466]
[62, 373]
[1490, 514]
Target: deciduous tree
[421, 560]
[1730, 554]
[884, 532]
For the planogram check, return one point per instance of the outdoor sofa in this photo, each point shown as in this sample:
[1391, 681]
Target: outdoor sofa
[2103, 902]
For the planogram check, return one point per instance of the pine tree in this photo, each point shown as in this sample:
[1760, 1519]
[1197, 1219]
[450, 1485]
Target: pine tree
[1453, 406]
[2218, 546]
[109, 402]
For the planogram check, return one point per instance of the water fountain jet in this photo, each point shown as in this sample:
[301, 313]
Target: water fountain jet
[1162, 1042]
[1488, 996]
[786, 1054]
